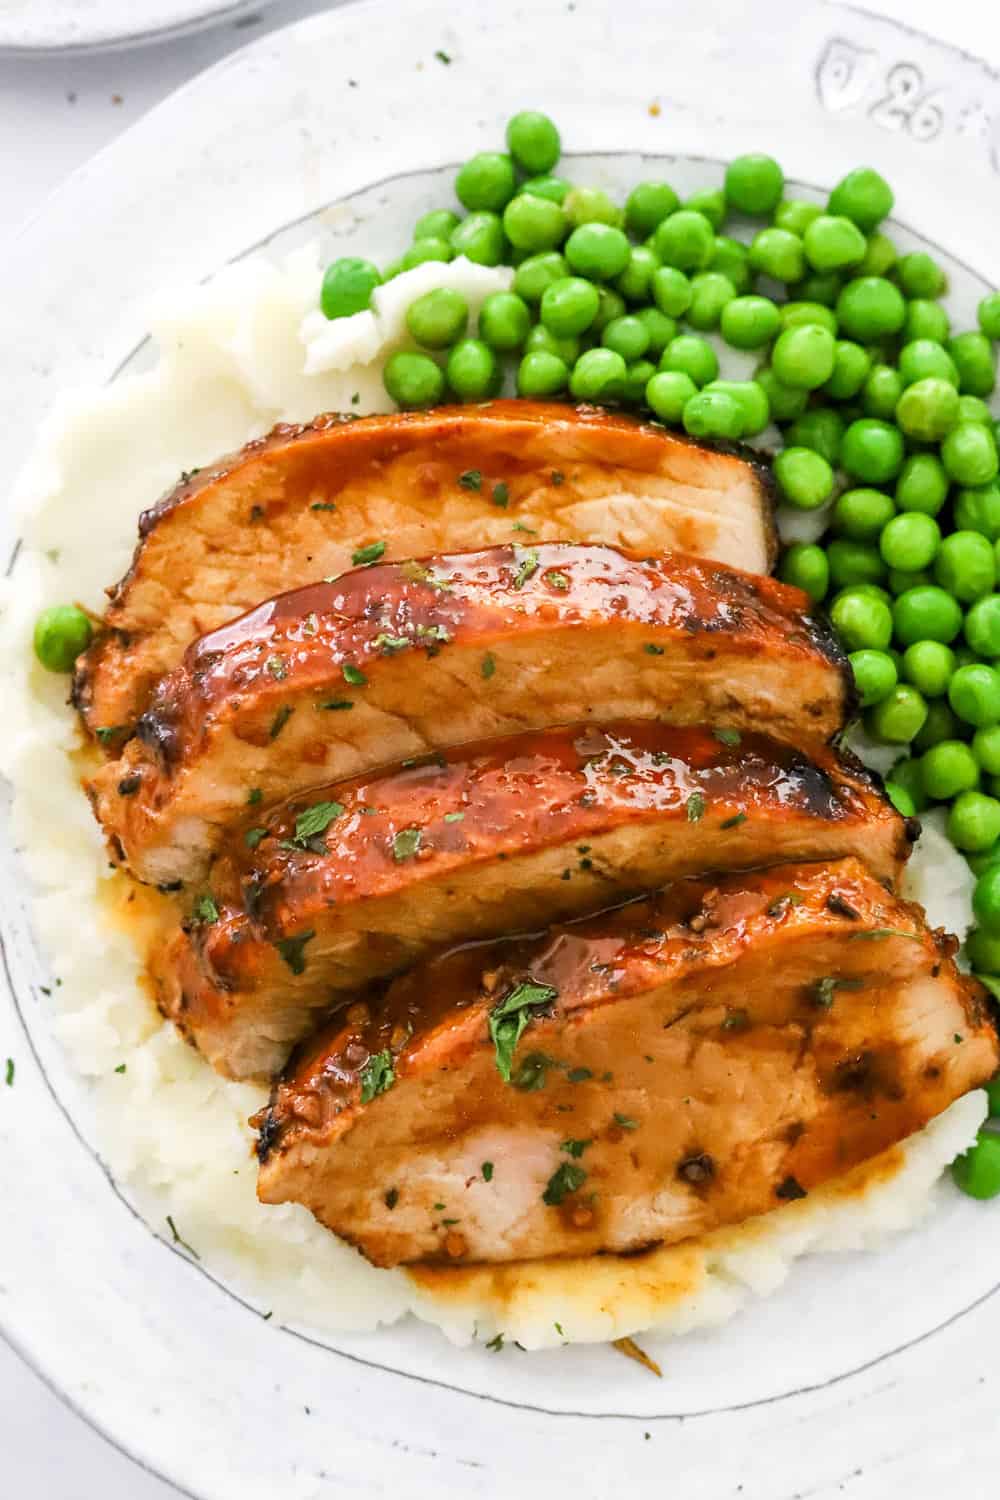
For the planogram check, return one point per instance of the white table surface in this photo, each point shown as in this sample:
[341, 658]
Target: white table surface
[54, 114]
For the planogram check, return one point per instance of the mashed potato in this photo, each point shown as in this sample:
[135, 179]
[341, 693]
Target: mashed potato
[236, 355]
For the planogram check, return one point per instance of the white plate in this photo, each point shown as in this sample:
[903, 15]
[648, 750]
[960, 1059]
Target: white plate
[42, 27]
[868, 1376]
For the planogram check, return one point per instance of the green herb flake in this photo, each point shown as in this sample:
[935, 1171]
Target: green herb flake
[254, 795]
[734, 822]
[455, 817]
[121, 1068]
[883, 932]
[652, 650]
[579, 1075]
[9, 1073]
[567, 1178]
[575, 1148]
[958, 1038]
[495, 1344]
[391, 1198]
[488, 665]
[205, 909]
[625, 1121]
[354, 675]
[389, 644]
[525, 568]
[510, 1017]
[253, 836]
[557, 478]
[278, 668]
[472, 479]
[105, 736]
[335, 705]
[316, 819]
[279, 721]
[557, 580]
[322, 505]
[823, 990]
[377, 1075]
[735, 1020]
[365, 556]
[406, 843]
[520, 526]
[292, 950]
[558, 1329]
[487, 1171]
[780, 904]
[439, 1208]
[178, 1241]
[501, 495]
[695, 807]
[729, 737]
[532, 1072]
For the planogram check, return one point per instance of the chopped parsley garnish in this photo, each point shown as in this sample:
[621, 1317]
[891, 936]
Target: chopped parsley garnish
[780, 904]
[501, 495]
[625, 1121]
[322, 505]
[558, 1329]
[253, 836]
[455, 817]
[377, 1075]
[525, 568]
[556, 477]
[472, 479]
[487, 1171]
[105, 735]
[695, 807]
[365, 556]
[532, 1072]
[558, 580]
[443, 57]
[652, 650]
[406, 843]
[316, 819]
[733, 822]
[729, 737]
[823, 990]
[205, 910]
[883, 932]
[735, 1020]
[178, 1241]
[520, 526]
[579, 1075]
[391, 1198]
[354, 675]
[510, 1017]
[488, 665]
[335, 704]
[388, 644]
[254, 795]
[566, 1179]
[121, 1068]
[496, 1344]
[279, 721]
[278, 668]
[292, 950]
[9, 1073]
[310, 625]
[575, 1148]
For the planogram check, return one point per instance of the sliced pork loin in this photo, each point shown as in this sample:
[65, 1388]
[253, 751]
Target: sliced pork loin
[686, 1062]
[328, 893]
[298, 505]
[399, 659]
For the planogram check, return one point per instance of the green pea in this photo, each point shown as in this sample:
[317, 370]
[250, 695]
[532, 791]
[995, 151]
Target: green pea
[862, 623]
[486, 181]
[634, 282]
[977, 1171]
[900, 579]
[347, 288]
[983, 952]
[660, 327]
[436, 225]
[61, 632]
[872, 451]
[922, 359]
[708, 201]
[940, 723]
[948, 769]
[566, 348]
[598, 375]
[413, 380]
[533, 224]
[869, 308]
[569, 306]
[821, 287]
[920, 275]
[804, 356]
[926, 613]
[929, 665]
[754, 184]
[692, 355]
[880, 255]
[795, 215]
[966, 566]
[874, 675]
[899, 716]
[671, 291]
[986, 900]
[969, 454]
[438, 318]
[807, 314]
[925, 320]
[863, 196]
[910, 541]
[901, 800]
[627, 336]
[710, 292]
[537, 272]
[591, 206]
[541, 374]
[928, 410]
[778, 253]
[471, 370]
[922, 484]
[599, 251]
[610, 305]
[732, 259]
[881, 392]
[988, 314]
[978, 509]
[751, 400]
[906, 773]
[555, 188]
[851, 367]
[805, 566]
[974, 822]
[713, 414]
[832, 242]
[821, 429]
[647, 205]
[480, 238]
[637, 377]
[804, 478]
[668, 393]
[422, 251]
[974, 409]
[786, 402]
[974, 694]
[986, 749]
[854, 564]
[533, 141]
[861, 514]
[504, 321]
[982, 626]
[750, 322]
[686, 240]
[973, 356]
